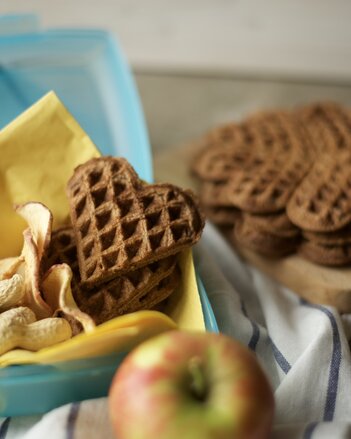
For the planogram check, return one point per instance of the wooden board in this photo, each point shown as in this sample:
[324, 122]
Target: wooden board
[315, 283]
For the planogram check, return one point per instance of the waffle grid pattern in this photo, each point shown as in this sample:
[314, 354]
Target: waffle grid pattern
[267, 182]
[121, 224]
[119, 294]
[296, 163]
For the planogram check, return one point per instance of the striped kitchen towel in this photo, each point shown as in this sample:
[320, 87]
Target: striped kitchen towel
[302, 347]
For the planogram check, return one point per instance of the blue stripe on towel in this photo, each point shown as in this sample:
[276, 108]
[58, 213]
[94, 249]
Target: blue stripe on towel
[71, 420]
[4, 428]
[255, 329]
[335, 362]
[310, 430]
[279, 358]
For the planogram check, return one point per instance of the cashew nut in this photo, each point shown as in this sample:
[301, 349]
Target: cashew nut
[11, 292]
[18, 329]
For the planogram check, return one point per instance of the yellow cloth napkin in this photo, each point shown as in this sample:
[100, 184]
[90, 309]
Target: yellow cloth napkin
[39, 151]
[117, 335]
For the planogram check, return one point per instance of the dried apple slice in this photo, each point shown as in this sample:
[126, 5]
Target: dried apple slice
[39, 219]
[10, 266]
[33, 298]
[57, 292]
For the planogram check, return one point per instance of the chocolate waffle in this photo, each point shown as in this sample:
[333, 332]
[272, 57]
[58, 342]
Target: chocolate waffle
[106, 303]
[328, 124]
[222, 215]
[284, 156]
[224, 150]
[122, 224]
[277, 224]
[114, 297]
[217, 163]
[263, 242]
[322, 202]
[158, 295]
[286, 174]
[330, 255]
[213, 194]
[214, 203]
[339, 237]
[62, 250]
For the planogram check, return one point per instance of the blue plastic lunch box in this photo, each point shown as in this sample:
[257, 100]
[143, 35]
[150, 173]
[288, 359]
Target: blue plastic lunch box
[89, 73]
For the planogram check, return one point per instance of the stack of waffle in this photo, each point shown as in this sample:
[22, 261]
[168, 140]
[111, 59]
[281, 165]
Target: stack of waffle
[125, 238]
[279, 182]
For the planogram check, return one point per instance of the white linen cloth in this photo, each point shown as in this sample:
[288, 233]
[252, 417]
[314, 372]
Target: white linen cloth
[303, 349]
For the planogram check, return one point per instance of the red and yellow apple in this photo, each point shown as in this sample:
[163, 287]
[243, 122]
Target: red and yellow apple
[187, 385]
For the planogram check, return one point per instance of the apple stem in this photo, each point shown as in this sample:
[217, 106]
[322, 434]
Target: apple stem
[197, 378]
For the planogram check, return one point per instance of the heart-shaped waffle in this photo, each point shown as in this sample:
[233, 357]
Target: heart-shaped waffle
[262, 241]
[149, 300]
[222, 215]
[293, 179]
[213, 193]
[126, 293]
[225, 150]
[216, 207]
[277, 224]
[121, 223]
[328, 125]
[258, 167]
[330, 255]
[339, 237]
[266, 182]
[322, 201]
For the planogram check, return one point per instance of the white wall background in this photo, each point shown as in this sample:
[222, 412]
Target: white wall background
[284, 38]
